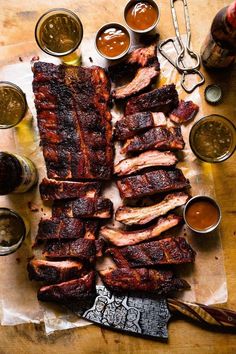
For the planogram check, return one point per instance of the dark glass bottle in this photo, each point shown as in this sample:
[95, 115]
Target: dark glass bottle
[17, 174]
[219, 48]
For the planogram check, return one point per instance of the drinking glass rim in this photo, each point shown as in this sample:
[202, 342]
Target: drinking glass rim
[229, 124]
[73, 14]
[22, 94]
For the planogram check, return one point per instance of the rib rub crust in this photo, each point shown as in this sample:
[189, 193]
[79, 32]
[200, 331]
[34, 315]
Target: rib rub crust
[74, 121]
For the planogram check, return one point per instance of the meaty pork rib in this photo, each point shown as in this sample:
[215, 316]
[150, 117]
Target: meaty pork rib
[91, 229]
[174, 250]
[83, 249]
[138, 58]
[142, 80]
[52, 190]
[160, 138]
[120, 237]
[144, 280]
[163, 99]
[147, 159]
[140, 216]
[49, 229]
[151, 183]
[74, 121]
[77, 290]
[185, 111]
[83, 208]
[129, 126]
[55, 272]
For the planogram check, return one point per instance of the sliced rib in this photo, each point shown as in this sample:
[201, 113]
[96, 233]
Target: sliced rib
[91, 229]
[142, 80]
[138, 58]
[174, 250]
[185, 111]
[147, 159]
[144, 280]
[52, 190]
[49, 229]
[160, 138]
[68, 292]
[83, 208]
[120, 237]
[140, 216]
[151, 183]
[74, 120]
[55, 272]
[83, 249]
[163, 99]
[129, 126]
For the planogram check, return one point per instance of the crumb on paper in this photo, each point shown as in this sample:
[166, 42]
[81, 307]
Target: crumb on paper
[33, 207]
[34, 58]
[18, 260]
[216, 258]
[91, 59]
[41, 209]
[20, 59]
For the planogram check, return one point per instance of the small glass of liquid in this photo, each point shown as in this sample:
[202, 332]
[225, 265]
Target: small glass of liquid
[13, 105]
[12, 231]
[59, 33]
[213, 138]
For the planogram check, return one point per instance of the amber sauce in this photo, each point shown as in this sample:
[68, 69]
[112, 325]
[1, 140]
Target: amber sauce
[113, 42]
[202, 214]
[141, 16]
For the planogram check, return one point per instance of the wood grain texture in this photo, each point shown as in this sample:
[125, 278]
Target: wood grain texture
[17, 21]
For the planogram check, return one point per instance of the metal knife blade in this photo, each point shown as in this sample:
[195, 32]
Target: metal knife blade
[135, 315]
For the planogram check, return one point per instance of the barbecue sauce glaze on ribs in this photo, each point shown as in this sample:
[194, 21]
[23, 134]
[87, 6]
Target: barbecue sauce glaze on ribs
[74, 121]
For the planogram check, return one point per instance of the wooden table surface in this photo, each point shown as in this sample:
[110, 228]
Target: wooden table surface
[17, 21]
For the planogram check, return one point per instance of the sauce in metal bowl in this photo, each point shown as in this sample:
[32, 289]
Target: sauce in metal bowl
[141, 15]
[213, 138]
[113, 41]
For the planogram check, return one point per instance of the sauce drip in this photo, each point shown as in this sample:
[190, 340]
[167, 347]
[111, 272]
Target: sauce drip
[141, 16]
[202, 214]
[113, 42]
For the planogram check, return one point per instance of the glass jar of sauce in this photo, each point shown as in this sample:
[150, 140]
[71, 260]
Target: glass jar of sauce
[112, 41]
[213, 138]
[12, 231]
[202, 214]
[141, 16]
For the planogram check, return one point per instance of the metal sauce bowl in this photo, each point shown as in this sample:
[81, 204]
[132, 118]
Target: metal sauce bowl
[118, 26]
[212, 201]
[153, 4]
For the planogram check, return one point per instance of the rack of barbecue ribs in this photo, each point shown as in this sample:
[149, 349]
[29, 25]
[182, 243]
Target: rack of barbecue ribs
[74, 121]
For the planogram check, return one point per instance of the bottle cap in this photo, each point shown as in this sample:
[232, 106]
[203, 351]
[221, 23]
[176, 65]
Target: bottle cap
[213, 94]
[231, 14]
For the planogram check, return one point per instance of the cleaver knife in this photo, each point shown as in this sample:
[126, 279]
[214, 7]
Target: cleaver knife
[149, 317]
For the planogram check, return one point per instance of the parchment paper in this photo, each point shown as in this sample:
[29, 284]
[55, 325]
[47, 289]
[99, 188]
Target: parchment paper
[18, 301]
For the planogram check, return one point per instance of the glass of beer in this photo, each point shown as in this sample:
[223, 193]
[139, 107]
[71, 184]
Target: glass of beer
[13, 230]
[13, 105]
[59, 32]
